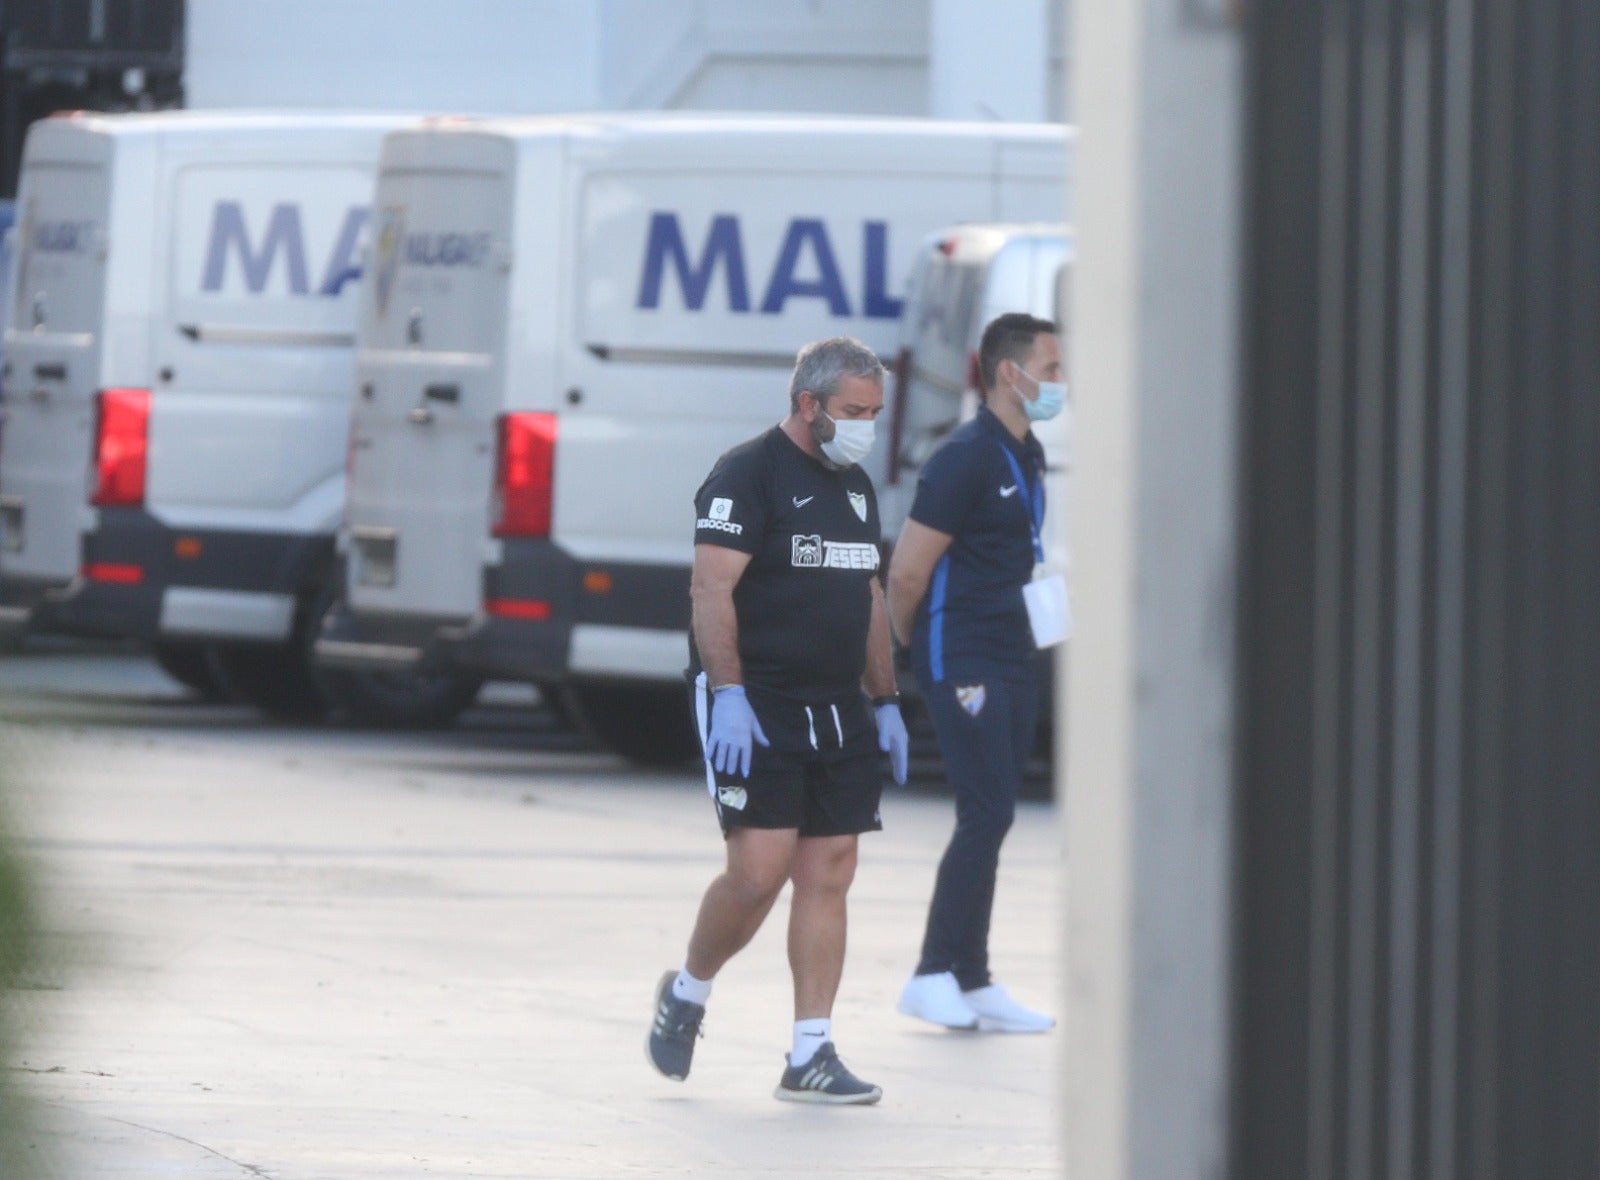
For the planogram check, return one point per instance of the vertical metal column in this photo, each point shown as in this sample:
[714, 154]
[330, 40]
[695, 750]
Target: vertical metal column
[1418, 946]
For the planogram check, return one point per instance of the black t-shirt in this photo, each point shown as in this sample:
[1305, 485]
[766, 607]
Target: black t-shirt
[804, 602]
[973, 616]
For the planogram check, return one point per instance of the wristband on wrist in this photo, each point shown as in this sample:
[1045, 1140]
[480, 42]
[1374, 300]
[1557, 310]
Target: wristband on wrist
[720, 687]
[892, 698]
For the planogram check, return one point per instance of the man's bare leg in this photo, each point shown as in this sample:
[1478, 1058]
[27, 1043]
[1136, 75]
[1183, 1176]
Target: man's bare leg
[822, 869]
[738, 901]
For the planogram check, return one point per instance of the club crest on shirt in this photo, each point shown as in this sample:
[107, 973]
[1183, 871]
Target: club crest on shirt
[858, 501]
[734, 797]
[971, 697]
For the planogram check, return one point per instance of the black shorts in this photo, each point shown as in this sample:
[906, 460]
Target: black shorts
[817, 792]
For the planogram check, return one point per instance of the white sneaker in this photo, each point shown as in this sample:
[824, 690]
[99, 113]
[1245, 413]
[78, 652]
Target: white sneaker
[937, 999]
[998, 1012]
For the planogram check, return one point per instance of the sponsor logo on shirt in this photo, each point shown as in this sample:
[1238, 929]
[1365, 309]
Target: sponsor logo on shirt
[812, 552]
[802, 501]
[716, 517]
[1007, 493]
[858, 501]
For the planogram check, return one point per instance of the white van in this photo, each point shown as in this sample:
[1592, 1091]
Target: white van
[569, 319]
[964, 276]
[176, 391]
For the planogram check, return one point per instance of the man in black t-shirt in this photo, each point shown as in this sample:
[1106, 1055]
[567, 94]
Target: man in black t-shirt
[795, 693]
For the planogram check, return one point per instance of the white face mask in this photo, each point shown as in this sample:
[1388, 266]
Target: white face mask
[851, 441]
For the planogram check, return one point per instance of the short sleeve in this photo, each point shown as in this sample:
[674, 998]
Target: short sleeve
[730, 507]
[950, 484]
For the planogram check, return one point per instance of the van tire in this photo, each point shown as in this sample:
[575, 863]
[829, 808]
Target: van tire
[194, 666]
[648, 725]
[380, 700]
[398, 700]
[275, 678]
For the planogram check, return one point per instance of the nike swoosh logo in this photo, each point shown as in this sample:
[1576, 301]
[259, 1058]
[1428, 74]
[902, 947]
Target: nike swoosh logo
[1006, 492]
[799, 503]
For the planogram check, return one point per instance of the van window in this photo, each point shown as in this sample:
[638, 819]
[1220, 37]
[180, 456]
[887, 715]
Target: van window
[1063, 306]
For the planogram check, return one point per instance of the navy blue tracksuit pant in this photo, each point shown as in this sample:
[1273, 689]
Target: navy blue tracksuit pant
[985, 725]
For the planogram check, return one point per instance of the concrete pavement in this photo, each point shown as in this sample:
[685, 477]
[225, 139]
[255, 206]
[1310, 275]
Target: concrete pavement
[324, 956]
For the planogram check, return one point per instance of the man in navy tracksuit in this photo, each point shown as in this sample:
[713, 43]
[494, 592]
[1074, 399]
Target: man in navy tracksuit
[956, 590]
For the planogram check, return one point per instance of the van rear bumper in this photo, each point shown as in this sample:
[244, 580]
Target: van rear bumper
[143, 579]
[546, 617]
[21, 600]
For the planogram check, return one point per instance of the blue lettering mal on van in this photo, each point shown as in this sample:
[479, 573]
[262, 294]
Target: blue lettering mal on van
[806, 249]
[230, 237]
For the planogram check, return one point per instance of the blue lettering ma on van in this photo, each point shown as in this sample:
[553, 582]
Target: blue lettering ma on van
[283, 236]
[806, 267]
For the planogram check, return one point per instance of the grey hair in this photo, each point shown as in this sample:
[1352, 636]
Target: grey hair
[820, 367]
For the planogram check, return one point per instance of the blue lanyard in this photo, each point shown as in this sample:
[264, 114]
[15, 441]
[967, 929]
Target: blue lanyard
[1035, 501]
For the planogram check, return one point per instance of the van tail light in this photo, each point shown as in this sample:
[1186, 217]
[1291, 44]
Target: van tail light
[524, 477]
[897, 410]
[118, 573]
[121, 447]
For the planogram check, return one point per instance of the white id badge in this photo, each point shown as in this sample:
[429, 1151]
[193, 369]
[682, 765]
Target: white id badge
[1049, 612]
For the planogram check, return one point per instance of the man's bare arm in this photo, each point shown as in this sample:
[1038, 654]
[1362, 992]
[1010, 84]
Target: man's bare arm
[915, 554]
[879, 680]
[716, 572]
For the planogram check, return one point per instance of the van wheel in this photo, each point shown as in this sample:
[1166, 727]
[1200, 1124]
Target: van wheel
[194, 666]
[651, 726]
[275, 678]
[399, 700]
[383, 700]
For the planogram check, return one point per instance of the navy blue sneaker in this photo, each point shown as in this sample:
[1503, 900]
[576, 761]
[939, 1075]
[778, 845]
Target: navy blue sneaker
[825, 1079]
[670, 1045]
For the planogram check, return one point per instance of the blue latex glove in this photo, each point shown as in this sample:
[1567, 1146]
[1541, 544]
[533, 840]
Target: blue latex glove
[893, 739]
[733, 727]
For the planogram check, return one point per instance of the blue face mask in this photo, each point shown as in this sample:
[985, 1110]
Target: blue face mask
[1052, 396]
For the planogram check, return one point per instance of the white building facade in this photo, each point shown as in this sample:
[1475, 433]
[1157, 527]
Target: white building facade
[978, 59]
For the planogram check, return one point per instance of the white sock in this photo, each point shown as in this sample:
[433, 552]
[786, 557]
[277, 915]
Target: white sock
[809, 1036]
[687, 987]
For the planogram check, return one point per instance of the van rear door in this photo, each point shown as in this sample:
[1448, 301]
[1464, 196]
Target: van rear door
[430, 363]
[52, 347]
[249, 427]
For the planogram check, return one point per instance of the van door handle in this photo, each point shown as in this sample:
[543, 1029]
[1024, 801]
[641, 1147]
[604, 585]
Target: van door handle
[52, 372]
[421, 416]
[443, 393]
